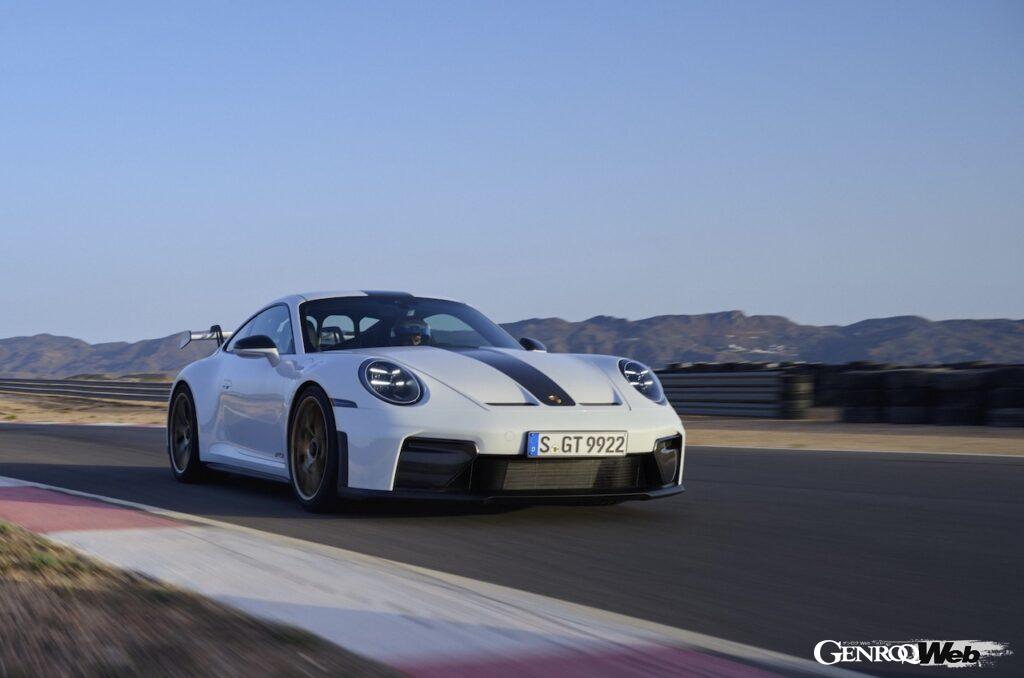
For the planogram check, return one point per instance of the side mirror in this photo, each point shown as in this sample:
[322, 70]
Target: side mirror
[532, 344]
[258, 346]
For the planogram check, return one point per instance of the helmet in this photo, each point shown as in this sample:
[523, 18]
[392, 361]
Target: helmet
[410, 332]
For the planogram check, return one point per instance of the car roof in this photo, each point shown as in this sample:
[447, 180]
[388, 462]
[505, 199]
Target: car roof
[293, 299]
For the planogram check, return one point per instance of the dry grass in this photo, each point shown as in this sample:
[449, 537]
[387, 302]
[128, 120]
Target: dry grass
[65, 615]
[823, 432]
[30, 408]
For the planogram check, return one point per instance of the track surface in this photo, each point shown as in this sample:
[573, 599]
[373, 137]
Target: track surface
[771, 548]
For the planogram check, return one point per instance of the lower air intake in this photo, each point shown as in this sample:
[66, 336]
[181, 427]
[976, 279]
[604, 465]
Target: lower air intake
[540, 475]
[431, 464]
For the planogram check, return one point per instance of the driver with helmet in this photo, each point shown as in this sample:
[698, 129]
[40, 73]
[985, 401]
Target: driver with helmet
[410, 332]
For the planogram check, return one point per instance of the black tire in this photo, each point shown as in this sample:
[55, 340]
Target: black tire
[862, 415]
[899, 380]
[960, 380]
[957, 415]
[183, 438]
[864, 381]
[313, 451]
[1002, 398]
[975, 399]
[905, 397]
[908, 414]
[863, 398]
[1009, 377]
[1006, 416]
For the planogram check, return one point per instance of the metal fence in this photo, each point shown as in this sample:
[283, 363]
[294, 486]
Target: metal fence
[105, 390]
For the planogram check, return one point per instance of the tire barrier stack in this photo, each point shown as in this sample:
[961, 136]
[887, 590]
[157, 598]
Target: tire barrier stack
[778, 394]
[968, 394]
[974, 396]
[99, 389]
[829, 385]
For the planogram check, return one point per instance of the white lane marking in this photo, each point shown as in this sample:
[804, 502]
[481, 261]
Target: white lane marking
[417, 607]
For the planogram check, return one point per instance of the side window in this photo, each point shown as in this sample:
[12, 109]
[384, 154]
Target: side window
[241, 333]
[335, 331]
[276, 323]
[311, 334]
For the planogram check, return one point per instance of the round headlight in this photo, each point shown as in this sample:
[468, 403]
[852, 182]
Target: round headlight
[391, 383]
[643, 379]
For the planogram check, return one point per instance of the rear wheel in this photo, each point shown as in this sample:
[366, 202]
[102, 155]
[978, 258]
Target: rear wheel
[183, 437]
[313, 452]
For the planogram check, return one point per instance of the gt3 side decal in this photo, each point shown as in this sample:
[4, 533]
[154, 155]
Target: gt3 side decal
[529, 377]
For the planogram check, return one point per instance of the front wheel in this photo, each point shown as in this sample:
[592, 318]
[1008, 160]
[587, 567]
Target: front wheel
[313, 452]
[183, 438]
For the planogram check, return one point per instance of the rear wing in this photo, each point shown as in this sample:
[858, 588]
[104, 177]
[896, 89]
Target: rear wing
[215, 333]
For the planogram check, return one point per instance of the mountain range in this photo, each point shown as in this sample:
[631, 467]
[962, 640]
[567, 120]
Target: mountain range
[730, 336]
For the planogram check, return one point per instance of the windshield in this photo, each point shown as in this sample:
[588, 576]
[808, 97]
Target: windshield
[373, 322]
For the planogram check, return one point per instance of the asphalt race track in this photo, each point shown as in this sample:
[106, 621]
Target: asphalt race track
[775, 549]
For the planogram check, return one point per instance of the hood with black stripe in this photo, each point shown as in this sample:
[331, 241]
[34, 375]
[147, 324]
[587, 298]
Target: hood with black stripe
[492, 376]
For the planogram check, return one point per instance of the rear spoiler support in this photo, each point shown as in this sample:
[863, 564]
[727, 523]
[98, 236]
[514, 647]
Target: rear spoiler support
[215, 333]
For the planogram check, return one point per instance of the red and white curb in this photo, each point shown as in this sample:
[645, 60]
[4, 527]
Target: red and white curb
[423, 622]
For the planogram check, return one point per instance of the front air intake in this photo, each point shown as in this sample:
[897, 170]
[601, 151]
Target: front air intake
[666, 458]
[432, 464]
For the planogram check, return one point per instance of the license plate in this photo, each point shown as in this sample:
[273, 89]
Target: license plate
[576, 444]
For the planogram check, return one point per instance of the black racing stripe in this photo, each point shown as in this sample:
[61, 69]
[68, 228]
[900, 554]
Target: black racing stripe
[529, 377]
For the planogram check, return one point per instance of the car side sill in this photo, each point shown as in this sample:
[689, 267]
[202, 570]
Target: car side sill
[241, 471]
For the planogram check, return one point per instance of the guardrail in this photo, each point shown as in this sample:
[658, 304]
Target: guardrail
[771, 394]
[774, 394]
[105, 390]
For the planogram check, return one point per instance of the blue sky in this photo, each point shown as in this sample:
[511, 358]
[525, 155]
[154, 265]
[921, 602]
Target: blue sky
[169, 165]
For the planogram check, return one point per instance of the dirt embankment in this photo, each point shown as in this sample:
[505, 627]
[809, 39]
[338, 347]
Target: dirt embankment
[65, 615]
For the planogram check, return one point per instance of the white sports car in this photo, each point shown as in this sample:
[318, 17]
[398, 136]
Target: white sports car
[365, 394]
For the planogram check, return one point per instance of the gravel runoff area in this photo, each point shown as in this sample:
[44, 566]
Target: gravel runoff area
[821, 432]
[64, 615]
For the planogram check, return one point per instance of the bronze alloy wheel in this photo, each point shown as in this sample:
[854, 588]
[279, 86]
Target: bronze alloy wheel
[182, 432]
[309, 452]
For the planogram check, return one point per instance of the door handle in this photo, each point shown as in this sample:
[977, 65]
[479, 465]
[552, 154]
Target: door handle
[226, 385]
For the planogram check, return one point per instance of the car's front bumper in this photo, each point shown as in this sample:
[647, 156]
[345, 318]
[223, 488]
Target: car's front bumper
[374, 439]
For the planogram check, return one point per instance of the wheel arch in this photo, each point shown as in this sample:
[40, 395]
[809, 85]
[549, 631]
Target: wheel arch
[180, 384]
[296, 394]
